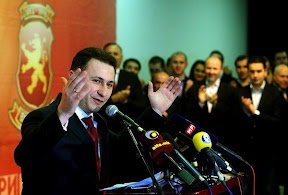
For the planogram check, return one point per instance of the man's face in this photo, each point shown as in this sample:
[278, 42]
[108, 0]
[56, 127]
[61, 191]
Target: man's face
[257, 73]
[101, 79]
[178, 64]
[281, 58]
[115, 51]
[280, 77]
[159, 79]
[153, 68]
[213, 69]
[132, 66]
[242, 69]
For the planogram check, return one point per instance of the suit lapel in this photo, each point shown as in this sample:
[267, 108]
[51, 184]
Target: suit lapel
[79, 130]
[264, 97]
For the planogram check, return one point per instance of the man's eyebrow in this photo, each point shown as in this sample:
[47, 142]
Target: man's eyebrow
[102, 79]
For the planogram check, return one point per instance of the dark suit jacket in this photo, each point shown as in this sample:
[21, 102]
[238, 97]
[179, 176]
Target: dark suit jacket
[260, 137]
[221, 116]
[134, 107]
[260, 133]
[54, 161]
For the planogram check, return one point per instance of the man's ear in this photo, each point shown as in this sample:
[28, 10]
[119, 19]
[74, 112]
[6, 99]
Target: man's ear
[70, 73]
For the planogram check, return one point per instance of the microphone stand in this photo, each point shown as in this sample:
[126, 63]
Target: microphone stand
[155, 182]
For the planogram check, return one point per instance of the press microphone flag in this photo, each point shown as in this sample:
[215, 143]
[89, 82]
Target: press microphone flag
[187, 129]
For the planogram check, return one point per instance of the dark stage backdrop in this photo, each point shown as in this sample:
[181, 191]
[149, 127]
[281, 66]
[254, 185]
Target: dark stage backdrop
[38, 41]
[267, 28]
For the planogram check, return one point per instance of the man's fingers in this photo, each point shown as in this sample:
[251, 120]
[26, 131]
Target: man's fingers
[77, 84]
[64, 82]
[174, 83]
[74, 75]
[177, 91]
[150, 88]
[168, 82]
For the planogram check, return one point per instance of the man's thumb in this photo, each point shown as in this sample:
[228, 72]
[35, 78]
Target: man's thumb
[64, 82]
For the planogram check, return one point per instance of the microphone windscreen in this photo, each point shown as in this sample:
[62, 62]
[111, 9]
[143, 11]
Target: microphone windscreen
[153, 142]
[201, 140]
[111, 110]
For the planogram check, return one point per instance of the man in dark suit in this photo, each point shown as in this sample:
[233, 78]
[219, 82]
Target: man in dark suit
[57, 155]
[259, 122]
[178, 64]
[280, 82]
[127, 92]
[210, 104]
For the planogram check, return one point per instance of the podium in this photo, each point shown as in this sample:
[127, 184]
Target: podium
[219, 189]
[232, 183]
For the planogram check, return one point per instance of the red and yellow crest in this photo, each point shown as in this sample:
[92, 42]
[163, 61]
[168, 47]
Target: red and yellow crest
[34, 74]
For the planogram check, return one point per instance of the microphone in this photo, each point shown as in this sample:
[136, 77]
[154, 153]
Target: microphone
[159, 151]
[187, 129]
[223, 163]
[184, 161]
[202, 143]
[112, 110]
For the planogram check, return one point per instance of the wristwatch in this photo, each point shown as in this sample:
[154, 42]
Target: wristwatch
[257, 112]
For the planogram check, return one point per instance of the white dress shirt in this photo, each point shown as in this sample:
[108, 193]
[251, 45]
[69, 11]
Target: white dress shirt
[211, 90]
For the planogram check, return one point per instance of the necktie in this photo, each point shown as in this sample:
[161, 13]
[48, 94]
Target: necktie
[92, 130]
[114, 87]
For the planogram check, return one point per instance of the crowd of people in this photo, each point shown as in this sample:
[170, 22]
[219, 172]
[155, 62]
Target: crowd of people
[247, 113]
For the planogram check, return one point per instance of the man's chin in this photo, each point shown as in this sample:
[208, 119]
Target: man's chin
[97, 109]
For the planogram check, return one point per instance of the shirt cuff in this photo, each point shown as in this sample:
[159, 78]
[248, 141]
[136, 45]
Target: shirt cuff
[65, 126]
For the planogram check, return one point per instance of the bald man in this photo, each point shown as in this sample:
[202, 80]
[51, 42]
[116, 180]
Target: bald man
[280, 79]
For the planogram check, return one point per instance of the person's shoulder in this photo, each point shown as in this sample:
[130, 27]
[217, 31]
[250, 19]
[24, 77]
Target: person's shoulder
[273, 90]
[126, 73]
[226, 86]
[128, 76]
[50, 107]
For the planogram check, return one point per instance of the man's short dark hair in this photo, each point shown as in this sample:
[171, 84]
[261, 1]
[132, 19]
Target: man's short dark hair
[132, 60]
[240, 58]
[82, 58]
[257, 59]
[157, 59]
[111, 43]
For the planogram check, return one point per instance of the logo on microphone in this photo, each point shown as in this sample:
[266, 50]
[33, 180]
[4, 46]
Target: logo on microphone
[206, 138]
[159, 145]
[152, 135]
[190, 129]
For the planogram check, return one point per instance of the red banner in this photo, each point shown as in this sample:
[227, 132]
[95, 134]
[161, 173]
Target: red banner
[38, 42]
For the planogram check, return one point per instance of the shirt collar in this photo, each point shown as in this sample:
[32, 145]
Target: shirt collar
[260, 89]
[216, 83]
[81, 114]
